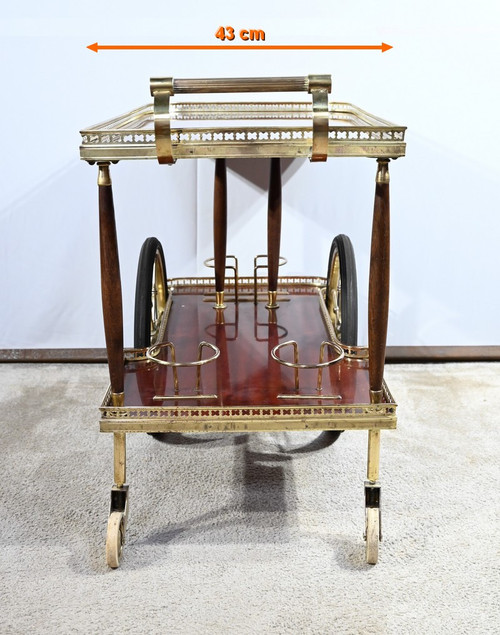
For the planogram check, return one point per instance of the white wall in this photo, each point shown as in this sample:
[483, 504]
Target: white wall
[440, 79]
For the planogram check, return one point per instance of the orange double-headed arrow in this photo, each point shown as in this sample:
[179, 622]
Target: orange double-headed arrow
[239, 47]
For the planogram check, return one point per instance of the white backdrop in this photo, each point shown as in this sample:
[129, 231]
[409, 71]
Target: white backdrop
[440, 80]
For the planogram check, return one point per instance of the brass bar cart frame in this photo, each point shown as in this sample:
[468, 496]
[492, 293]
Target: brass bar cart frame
[317, 129]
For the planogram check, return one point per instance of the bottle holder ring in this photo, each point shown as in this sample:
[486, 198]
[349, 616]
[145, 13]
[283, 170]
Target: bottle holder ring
[321, 364]
[152, 354]
[210, 263]
[256, 266]
[153, 351]
[319, 367]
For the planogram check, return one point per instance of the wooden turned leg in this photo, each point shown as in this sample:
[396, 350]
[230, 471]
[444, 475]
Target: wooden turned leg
[111, 289]
[378, 296]
[274, 231]
[220, 230]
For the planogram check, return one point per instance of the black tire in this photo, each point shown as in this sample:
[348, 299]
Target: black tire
[342, 290]
[150, 293]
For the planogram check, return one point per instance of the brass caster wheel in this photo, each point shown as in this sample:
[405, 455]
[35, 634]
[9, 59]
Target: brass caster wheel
[372, 534]
[115, 539]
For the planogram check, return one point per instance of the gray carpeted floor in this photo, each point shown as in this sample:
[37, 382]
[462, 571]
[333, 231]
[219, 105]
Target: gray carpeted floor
[239, 534]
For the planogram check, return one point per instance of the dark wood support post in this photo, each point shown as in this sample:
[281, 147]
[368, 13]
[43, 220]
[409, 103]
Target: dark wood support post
[111, 284]
[378, 295]
[274, 231]
[220, 230]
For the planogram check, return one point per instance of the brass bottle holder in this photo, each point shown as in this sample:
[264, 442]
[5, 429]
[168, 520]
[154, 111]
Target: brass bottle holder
[152, 354]
[210, 263]
[256, 267]
[319, 366]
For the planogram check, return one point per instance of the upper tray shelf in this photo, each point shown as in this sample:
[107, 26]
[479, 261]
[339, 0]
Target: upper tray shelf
[168, 131]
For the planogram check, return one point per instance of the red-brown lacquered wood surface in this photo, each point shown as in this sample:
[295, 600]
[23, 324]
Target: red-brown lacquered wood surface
[245, 374]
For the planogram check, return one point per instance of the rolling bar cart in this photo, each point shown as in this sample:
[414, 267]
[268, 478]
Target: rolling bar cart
[229, 353]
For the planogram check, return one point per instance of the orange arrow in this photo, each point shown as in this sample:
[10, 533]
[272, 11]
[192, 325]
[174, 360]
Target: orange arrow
[217, 47]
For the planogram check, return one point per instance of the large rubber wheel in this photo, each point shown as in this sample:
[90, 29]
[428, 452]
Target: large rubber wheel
[342, 290]
[150, 293]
